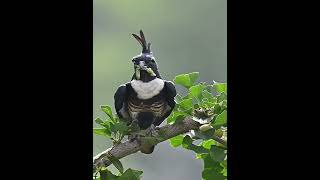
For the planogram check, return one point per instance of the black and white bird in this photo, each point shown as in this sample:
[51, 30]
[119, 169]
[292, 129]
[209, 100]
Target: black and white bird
[147, 100]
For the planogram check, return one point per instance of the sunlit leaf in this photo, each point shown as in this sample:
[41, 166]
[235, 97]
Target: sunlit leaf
[102, 132]
[207, 143]
[196, 91]
[176, 141]
[193, 77]
[176, 116]
[186, 104]
[183, 79]
[107, 109]
[186, 80]
[220, 87]
[220, 120]
[209, 96]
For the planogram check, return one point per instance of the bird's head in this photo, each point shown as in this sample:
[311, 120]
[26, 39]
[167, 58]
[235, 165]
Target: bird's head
[145, 65]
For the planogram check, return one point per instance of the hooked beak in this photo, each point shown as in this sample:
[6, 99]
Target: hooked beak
[142, 65]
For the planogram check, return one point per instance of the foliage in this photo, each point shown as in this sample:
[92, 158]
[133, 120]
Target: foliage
[206, 108]
[209, 110]
[129, 174]
[112, 127]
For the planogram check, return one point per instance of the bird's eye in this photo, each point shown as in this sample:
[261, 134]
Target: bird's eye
[152, 60]
[133, 60]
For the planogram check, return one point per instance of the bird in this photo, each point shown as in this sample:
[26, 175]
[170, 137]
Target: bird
[148, 99]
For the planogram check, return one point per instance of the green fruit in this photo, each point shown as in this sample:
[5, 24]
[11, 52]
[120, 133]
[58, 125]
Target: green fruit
[218, 132]
[205, 127]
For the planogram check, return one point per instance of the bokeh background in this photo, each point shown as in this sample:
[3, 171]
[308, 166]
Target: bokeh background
[186, 36]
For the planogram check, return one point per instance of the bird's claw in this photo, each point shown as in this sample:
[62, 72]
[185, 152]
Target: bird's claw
[135, 136]
[152, 131]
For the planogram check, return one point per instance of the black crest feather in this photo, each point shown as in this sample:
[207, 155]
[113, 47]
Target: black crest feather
[143, 42]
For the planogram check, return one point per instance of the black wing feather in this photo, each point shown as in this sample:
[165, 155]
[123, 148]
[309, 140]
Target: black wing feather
[120, 98]
[171, 93]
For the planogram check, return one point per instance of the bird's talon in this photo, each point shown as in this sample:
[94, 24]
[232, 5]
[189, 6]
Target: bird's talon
[152, 131]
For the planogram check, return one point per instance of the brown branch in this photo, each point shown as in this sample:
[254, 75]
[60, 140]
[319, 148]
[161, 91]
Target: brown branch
[129, 147]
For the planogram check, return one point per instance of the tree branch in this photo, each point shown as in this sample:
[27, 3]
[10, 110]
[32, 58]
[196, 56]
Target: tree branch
[129, 147]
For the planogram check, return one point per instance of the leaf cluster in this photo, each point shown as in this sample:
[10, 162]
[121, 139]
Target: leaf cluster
[211, 112]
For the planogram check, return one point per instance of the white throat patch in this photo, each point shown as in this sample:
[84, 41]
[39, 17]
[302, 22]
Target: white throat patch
[147, 90]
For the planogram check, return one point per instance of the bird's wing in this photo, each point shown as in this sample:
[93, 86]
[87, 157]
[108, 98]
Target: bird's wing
[120, 97]
[170, 93]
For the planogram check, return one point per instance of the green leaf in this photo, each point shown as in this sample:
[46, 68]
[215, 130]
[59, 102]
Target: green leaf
[220, 87]
[130, 174]
[210, 163]
[176, 141]
[221, 97]
[224, 165]
[107, 175]
[187, 144]
[176, 116]
[120, 127]
[102, 132]
[193, 77]
[209, 96]
[183, 79]
[187, 141]
[186, 80]
[198, 149]
[217, 153]
[116, 162]
[209, 174]
[224, 172]
[224, 103]
[207, 143]
[99, 121]
[107, 109]
[220, 120]
[196, 91]
[186, 104]
[205, 135]
[200, 155]
[217, 109]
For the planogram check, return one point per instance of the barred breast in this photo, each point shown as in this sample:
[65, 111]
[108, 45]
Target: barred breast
[157, 106]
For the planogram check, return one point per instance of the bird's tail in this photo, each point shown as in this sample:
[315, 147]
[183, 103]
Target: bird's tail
[147, 149]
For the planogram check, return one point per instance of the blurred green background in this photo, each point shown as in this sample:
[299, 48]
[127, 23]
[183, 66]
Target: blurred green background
[186, 36]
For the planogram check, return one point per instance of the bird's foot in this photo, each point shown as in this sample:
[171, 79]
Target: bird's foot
[136, 135]
[152, 131]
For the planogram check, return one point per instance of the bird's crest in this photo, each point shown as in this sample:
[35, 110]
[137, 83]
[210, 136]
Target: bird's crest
[142, 41]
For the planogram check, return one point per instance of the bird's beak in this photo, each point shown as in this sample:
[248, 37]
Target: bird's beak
[142, 65]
